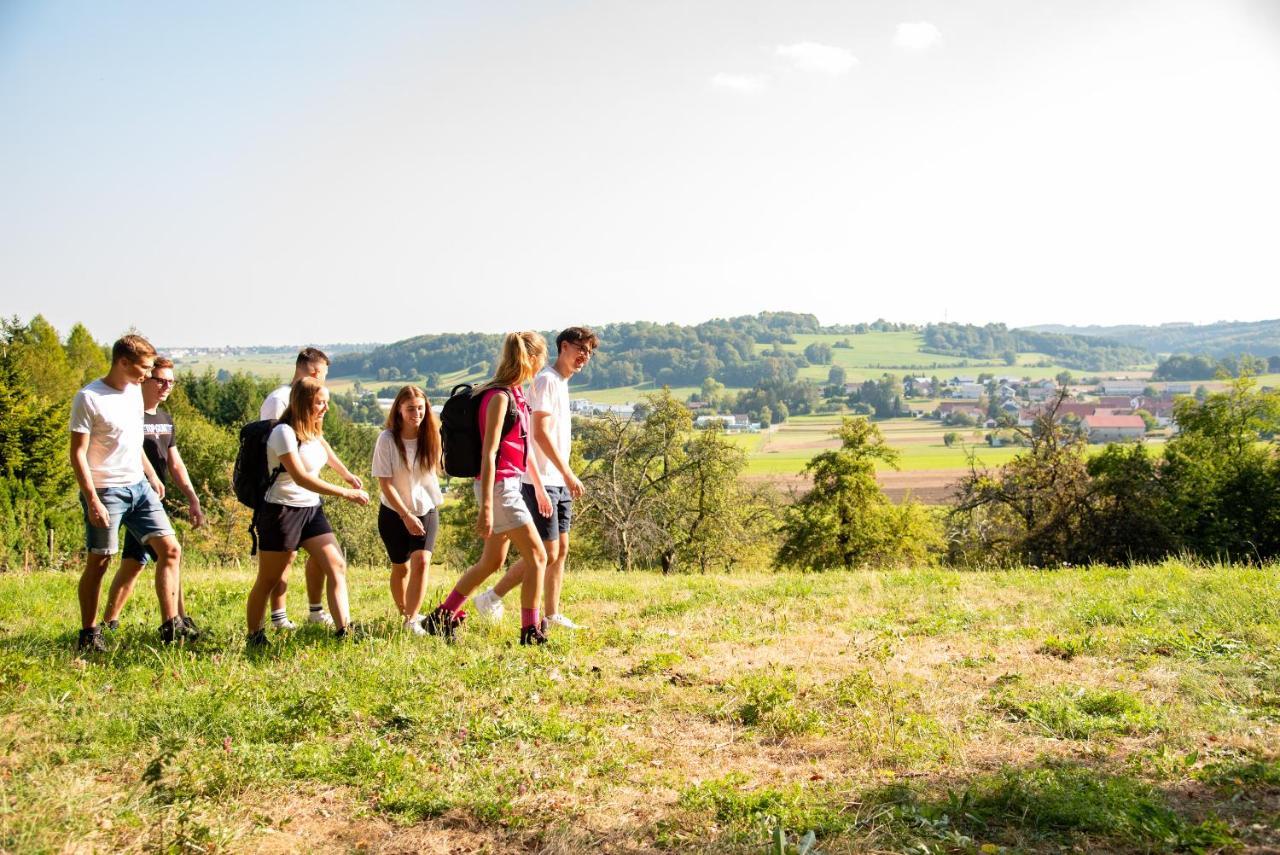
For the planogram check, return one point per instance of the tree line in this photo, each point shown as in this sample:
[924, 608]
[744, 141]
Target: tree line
[666, 496]
[996, 341]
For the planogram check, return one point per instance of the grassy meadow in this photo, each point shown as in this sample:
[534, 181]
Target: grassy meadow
[1088, 709]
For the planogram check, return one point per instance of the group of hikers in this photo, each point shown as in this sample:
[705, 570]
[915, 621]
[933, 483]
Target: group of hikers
[124, 448]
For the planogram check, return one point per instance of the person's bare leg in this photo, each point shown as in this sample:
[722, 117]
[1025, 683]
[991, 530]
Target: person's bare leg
[557, 553]
[121, 588]
[90, 587]
[279, 600]
[534, 557]
[399, 580]
[493, 557]
[514, 577]
[168, 561]
[416, 589]
[324, 548]
[315, 576]
[271, 569]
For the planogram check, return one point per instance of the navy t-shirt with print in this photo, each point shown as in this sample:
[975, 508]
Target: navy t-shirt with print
[157, 439]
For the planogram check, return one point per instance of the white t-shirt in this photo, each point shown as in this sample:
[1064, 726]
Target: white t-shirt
[419, 490]
[311, 454]
[550, 394]
[276, 403]
[113, 419]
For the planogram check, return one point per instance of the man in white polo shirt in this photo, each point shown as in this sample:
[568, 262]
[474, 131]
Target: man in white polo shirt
[551, 427]
[119, 486]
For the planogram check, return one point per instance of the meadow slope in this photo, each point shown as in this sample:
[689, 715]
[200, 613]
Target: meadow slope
[1096, 708]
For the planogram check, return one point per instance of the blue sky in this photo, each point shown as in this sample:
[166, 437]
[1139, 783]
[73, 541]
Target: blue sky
[291, 172]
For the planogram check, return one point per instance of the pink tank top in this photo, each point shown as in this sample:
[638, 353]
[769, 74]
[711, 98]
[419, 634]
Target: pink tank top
[511, 448]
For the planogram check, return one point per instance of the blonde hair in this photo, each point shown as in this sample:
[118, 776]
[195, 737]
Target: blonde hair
[428, 431]
[523, 354]
[298, 415]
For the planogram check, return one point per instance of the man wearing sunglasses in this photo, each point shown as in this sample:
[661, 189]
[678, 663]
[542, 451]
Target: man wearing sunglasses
[160, 445]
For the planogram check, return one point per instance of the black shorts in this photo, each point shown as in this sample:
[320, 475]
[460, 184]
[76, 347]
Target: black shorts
[281, 528]
[396, 538]
[137, 551]
[550, 528]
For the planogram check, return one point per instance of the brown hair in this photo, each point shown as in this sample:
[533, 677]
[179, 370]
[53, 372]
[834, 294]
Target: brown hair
[582, 336]
[302, 397]
[162, 362]
[310, 357]
[523, 353]
[132, 347]
[428, 432]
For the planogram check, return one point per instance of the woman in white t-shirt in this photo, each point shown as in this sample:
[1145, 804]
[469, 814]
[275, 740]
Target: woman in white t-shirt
[406, 460]
[292, 515]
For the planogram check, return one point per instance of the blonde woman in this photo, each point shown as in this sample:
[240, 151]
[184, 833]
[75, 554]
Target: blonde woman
[406, 462]
[292, 515]
[503, 517]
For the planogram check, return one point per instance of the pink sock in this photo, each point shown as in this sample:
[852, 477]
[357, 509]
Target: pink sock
[528, 617]
[454, 602]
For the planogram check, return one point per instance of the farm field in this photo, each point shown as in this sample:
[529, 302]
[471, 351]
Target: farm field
[1087, 710]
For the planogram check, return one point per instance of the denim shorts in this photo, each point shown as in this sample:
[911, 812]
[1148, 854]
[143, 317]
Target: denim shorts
[136, 507]
[509, 509]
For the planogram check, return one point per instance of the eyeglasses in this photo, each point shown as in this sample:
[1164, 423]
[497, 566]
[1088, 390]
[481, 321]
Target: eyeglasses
[160, 382]
[583, 349]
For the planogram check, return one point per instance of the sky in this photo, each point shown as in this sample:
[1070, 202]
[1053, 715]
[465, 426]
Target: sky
[291, 172]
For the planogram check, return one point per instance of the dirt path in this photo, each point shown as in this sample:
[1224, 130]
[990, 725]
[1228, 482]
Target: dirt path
[927, 486]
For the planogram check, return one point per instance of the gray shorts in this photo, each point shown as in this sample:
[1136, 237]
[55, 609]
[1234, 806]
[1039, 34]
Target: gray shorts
[509, 510]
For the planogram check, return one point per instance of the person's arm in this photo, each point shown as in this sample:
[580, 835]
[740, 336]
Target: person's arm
[545, 446]
[152, 478]
[183, 480]
[341, 468]
[493, 419]
[293, 465]
[400, 506]
[539, 491]
[98, 516]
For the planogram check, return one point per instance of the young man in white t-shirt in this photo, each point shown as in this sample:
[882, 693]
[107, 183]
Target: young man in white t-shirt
[119, 486]
[311, 362]
[551, 427]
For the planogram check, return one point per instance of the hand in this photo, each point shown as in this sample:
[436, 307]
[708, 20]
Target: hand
[360, 497]
[354, 481]
[158, 486]
[98, 516]
[544, 502]
[484, 522]
[413, 524]
[197, 515]
[574, 485]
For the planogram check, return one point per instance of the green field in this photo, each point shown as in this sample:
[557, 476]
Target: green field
[913, 710]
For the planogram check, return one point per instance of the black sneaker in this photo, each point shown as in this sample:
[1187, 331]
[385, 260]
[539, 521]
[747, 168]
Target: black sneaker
[350, 632]
[189, 629]
[532, 635]
[443, 623]
[171, 631]
[91, 641]
[544, 625]
[256, 639]
[110, 625]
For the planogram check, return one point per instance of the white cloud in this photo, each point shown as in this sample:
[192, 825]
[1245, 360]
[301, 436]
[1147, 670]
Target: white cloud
[918, 35]
[811, 56]
[746, 83]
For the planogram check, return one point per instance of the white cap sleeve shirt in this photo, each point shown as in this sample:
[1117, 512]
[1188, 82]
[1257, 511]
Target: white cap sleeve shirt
[550, 394]
[415, 487]
[113, 420]
[312, 456]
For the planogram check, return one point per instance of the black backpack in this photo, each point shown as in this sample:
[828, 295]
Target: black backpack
[251, 479]
[460, 430]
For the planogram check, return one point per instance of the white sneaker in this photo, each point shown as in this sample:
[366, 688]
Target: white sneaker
[489, 605]
[414, 625]
[559, 620]
[284, 623]
[320, 617]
